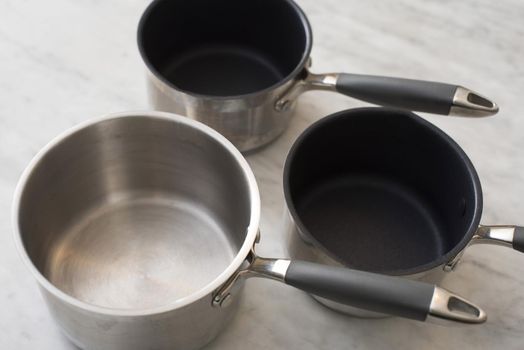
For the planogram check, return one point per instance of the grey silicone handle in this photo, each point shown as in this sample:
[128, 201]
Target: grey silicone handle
[370, 291]
[518, 239]
[416, 95]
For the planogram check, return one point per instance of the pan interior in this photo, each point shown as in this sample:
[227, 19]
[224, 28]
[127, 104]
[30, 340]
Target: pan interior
[223, 48]
[371, 221]
[134, 213]
[139, 252]
[222, 71]
[382, 190]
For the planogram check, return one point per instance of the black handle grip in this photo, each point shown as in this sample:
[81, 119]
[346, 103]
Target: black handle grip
[415, 95]
[370, 291]
[518, 239]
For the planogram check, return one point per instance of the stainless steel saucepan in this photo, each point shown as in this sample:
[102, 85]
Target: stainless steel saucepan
[239, 66]
[140, 228]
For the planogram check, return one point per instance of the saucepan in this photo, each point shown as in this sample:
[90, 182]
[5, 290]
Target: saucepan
[383, 190]
[238, 66]
[140, 230]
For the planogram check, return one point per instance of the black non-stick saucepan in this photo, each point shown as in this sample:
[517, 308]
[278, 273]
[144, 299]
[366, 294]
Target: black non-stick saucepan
[383, 190]
[239, 66]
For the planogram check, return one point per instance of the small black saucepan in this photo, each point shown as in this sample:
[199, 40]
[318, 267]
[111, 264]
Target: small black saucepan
[239, 66]
[383, 190]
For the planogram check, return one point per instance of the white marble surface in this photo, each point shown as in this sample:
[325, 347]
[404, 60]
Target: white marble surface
[63, 61]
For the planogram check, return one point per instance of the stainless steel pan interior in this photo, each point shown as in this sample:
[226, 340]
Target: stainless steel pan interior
[126, 219]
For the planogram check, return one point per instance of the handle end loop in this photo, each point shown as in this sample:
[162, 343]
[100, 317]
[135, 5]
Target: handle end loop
[469, 103]
[447, 306]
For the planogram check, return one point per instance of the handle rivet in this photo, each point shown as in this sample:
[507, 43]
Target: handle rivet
[283, 105]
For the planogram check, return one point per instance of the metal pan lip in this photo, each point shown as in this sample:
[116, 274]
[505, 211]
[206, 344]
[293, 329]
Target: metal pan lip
[472, 173]
[204, 292]
[296, 71]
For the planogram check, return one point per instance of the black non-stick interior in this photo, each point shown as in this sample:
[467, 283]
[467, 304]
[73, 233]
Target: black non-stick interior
[382, 190]
[224, 48]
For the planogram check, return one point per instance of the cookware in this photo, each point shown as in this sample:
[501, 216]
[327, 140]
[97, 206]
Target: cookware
[383, 190]
[238, 66]
[140, 228]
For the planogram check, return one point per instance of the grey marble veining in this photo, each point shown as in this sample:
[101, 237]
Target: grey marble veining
[62, 62]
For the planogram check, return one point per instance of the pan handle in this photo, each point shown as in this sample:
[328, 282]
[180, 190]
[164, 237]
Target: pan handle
[385, 294]
[416, 95]
[505, 235]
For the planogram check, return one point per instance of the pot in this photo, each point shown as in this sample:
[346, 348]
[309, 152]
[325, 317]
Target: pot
[383, 190]
[239, 66]
[140, 228]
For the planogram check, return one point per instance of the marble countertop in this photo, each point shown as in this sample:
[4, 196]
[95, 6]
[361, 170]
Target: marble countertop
[62, 62]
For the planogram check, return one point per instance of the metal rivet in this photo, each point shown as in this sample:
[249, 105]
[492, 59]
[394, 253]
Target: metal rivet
[283, 105]
[450, 266]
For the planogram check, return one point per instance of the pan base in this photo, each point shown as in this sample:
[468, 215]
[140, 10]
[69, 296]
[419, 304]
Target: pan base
[372, 223]
[140, 252]
[221, 71]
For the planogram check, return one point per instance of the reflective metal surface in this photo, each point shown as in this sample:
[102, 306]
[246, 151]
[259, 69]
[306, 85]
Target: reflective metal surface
[501, 235]
[270, 268]
[254, 266]
[309, 81]
[130, 223]
[469, 103]
[248, 122]
[449, 306]
[139, 252]
[497, 235]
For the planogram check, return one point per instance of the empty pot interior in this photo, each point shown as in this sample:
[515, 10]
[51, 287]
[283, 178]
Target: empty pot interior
[382, 190]
[223, 48]
[134, 212]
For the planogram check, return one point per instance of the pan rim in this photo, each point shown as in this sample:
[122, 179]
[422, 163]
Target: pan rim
[294, 73]
[472, 173]
[205, 291]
